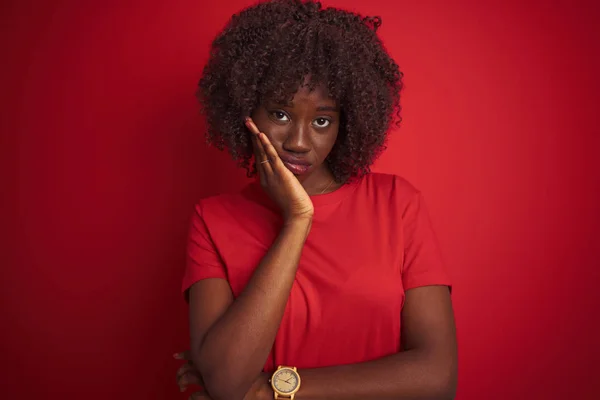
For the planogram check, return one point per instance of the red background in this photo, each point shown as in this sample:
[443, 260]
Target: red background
[500, 132]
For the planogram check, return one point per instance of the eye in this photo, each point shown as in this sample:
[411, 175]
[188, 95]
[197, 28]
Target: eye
[321, 122]
[280, 116]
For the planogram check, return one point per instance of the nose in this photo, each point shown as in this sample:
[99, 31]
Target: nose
[298, 139]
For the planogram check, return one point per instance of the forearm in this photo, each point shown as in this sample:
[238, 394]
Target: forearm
[409, 375]
[236, 347]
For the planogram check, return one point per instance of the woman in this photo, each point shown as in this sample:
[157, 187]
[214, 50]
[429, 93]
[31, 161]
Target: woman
[322, 280]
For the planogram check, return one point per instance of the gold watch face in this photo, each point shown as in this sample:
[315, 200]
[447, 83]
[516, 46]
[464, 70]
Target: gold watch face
[285, 380]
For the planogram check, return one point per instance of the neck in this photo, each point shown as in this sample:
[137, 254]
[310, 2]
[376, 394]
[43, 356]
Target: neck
[320, 182]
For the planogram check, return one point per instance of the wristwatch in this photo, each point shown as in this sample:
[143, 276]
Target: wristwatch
[285, 382]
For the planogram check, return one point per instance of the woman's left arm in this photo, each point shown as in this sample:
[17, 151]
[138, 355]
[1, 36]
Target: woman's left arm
[426, 369]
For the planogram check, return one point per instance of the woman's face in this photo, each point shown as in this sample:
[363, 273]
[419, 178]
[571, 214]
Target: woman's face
[303, 132]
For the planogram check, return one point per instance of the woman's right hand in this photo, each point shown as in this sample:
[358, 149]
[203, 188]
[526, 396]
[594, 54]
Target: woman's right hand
[278, 181]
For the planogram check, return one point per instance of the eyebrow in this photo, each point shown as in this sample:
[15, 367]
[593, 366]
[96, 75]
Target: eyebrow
[319, 109]
[327, 108]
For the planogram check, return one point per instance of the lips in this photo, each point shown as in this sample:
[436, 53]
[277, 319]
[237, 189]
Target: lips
[296, 165]
[296, 169]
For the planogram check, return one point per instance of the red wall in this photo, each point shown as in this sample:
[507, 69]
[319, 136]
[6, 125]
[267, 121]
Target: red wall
[500, 132]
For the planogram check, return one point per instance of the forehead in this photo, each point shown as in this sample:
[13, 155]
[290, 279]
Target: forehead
[318, 96]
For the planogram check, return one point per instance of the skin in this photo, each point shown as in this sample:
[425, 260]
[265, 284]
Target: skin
[307, 128]
[231, 339]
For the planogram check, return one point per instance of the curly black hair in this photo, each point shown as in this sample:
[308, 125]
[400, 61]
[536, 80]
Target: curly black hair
[267, 51]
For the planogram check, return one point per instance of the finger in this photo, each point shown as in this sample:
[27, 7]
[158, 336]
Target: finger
[264, 161]
[268, 147]
[188, 374]
[260, 156]
[199, 396]
[190, 378]
[259, 150]
[252, 126]
[270, 151]
[257, 160]
[184, 369]
[184, 355]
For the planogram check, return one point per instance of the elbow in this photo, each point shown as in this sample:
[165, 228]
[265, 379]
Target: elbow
[224, 390]
[223, 393]
[445, 391]
[444, 385]
[219, 379]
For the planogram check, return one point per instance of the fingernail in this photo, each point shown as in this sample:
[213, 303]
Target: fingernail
[251, 125]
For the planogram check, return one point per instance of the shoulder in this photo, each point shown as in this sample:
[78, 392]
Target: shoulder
[228, 210]
[391, 184]
[226, 203]
[219, 201]
[388, 195]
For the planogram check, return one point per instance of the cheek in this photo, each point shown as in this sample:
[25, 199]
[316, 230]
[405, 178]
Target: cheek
[323, 146]
[329, 140]
[276, 133]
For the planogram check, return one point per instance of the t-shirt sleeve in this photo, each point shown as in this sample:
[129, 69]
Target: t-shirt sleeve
[203, 260]
[423, 263]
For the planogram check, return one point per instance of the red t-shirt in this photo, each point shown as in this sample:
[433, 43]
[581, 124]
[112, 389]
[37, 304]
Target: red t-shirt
[370, 241]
